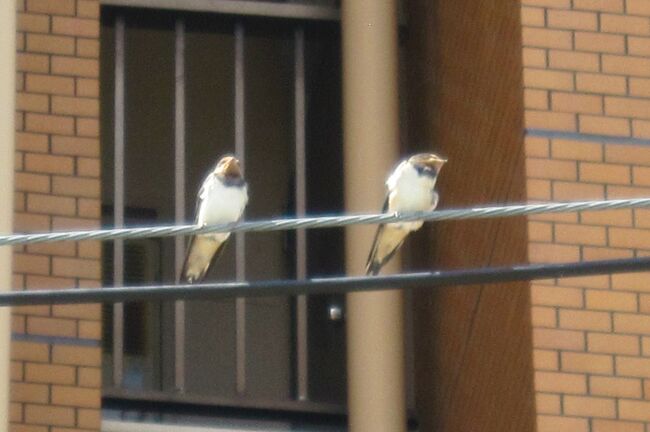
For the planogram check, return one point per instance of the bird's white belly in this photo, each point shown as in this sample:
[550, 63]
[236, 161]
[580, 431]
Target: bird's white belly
[222, 204]
[412, 193]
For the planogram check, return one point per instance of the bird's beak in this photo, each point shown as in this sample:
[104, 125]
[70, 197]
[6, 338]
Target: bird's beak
[230, 167]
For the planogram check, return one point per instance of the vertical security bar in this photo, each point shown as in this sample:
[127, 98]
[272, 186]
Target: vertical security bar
[179, 199]
[302, 351]
[240, 239]
[118, 201]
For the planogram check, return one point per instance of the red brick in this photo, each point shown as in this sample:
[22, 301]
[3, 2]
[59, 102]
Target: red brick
[549, 253]
[569, 191]
[49, 84]
[536, 99]
[546, 38]
[613, 343]
[73, 267]
[28, 182]
[29, 351]
[85, 107]
[547, 423]
[599, 42]
[27, 62]
[88, 8]
[627, 107]
[607, 217]
[558, 339]
[547, 403]
[52, 7]
[587, 363]
[639, 46]
[75, 27]
[28, 263]
[636, 155]
[548, 79]
[611, 300]
[88, 127]
[76, 396]
[551, 120]
[626, 65]
[89, 377]
[76, 355]
[576, 150]
[74, 186]
[556, 382]
[51, 326]
[49, 44]
[604, 125]
[32, 142]
[633, 366]
[88, 167]
[49, 204]
[572, 60]
[626, 24]
[615, 387]
[586, 406]
[544, 316]
[88, 48]
[543, 295]
[50, 374]
[632, 323]
[599, 5]
[49, 164]
[87, 87]
[634, 410]
[35, 23]
[49, 124]
[574, 20]
[74, 66]
[546, 360]
[49, 415]
[75, 146]
[631, 281]
[28, 392]
[580, 234]
[551, 169]
[638, 7]
[534, 57]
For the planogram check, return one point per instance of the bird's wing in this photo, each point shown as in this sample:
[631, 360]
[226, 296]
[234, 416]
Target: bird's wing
[202, 252]
[374, 265]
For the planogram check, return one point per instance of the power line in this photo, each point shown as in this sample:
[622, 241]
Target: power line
[427, 280]
[325, 221]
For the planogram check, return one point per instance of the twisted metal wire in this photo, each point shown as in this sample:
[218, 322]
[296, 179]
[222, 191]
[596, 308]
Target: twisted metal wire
[325, 221]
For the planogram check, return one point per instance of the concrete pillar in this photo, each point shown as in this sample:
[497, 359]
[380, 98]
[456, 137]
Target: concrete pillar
[7, 107]
[376, 393]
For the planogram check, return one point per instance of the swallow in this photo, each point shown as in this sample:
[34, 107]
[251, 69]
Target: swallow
[222, 199]
[410, 188]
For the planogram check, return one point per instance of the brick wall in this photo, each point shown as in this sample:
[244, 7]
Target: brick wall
[587, 96]
[55, 350]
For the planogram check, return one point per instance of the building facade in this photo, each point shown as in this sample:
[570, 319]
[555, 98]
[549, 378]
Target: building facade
[582, 117]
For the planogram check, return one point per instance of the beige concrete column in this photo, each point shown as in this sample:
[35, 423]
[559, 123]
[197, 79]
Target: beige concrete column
[376, 395]
[7, 106]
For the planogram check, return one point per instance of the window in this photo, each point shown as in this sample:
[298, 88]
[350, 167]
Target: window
[178, 90]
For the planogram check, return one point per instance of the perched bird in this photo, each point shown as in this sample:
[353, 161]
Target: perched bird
[410, 189]
[221, 199]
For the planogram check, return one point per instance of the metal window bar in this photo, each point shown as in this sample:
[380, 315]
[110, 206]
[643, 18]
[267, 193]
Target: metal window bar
[179, 199]
[118, 200]
[331, 285]
[302, 353]
[240, 239]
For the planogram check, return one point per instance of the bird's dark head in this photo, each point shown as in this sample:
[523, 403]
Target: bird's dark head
[427, 163]
[229, 168]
